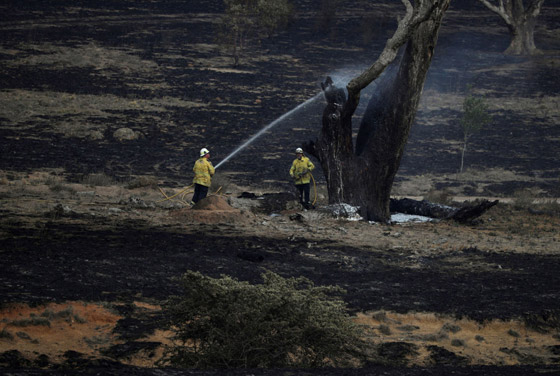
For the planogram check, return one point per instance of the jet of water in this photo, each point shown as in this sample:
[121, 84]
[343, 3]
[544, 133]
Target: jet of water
[266, 128]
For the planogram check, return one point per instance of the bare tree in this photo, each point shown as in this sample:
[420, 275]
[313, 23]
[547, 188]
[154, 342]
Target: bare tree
[520, 17]
[364, 177]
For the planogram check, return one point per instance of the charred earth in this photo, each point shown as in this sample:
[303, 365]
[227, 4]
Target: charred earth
[104, 106]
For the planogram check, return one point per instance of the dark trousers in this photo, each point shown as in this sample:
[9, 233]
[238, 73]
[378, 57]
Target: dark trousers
[303, 190]
[200, 191]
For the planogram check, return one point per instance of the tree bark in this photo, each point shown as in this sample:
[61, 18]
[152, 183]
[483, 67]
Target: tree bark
[522, 39]
[364, 177]
[520, 21]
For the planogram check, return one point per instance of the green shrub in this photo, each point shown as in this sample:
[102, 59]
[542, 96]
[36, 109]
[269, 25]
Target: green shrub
[225, 323]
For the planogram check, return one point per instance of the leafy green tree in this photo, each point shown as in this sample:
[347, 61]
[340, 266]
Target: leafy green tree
[475, 117]
[246, 19]
[225, 323]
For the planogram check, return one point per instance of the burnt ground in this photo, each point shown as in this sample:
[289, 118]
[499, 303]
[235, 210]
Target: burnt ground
[129, 253]
[132, 259]
[73, 75]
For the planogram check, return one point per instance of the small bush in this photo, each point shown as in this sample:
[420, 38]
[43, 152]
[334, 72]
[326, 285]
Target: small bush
[57, 185]
[384, 329]
[97, 180]
[6, 334]
[458, 343]
[142, 181]
[443, 197]
[453, 328]
[32, 321]
[513, 333]
[225, 323]
[523, 199]
[66, 314]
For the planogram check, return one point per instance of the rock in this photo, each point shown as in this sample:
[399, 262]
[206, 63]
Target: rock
[95, 135]
[126, 134]
[137, 202]
[296, 217]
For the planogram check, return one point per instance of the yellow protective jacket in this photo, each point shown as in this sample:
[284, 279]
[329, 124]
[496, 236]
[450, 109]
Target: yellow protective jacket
[203, 172]
[298, 167]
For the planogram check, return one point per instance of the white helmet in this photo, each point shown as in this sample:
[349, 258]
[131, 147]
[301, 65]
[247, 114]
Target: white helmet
[299, 151]
[204, 151]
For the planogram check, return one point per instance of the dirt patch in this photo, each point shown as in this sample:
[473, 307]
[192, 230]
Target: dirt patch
[55, 328]
[48, 333]
[491, 342]
[213, 209]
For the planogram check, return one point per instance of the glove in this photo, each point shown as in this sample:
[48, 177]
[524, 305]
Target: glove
[303, 172]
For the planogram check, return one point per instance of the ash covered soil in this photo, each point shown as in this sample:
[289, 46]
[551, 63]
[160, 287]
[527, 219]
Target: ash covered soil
[97, 264]
[104, 107]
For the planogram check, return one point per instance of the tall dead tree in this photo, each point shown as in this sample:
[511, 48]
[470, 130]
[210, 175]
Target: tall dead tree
[364, 176]
[520, 17]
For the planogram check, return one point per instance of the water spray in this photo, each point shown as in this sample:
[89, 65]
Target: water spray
[270, 125]
[337, 80]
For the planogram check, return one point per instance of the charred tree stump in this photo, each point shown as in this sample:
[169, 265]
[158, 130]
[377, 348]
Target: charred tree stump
[470, 212]
[363, 176]
[425, 208]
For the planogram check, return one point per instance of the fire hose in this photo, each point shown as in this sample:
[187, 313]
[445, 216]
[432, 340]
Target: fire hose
[186, 191]
[183, 193]
[314, 188]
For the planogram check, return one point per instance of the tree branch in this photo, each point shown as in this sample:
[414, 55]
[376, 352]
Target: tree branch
[534, 8]
[500, 10]
[406, 26]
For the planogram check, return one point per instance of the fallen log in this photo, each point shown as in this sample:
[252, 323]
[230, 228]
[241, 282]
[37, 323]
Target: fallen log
[464, 214]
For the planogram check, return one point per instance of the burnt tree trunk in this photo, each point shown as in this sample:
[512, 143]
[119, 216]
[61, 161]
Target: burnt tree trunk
[364, 177]
[520, 21]
[464, 214]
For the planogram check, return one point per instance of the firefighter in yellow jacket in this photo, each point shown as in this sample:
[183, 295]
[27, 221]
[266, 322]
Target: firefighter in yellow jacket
[300, 172]
[203, 172]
